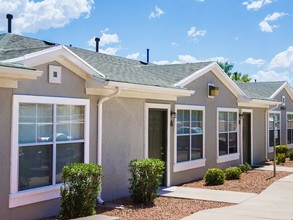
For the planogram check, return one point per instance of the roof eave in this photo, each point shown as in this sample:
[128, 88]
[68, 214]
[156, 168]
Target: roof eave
[257, 103]
[129, 90]
[219, 73]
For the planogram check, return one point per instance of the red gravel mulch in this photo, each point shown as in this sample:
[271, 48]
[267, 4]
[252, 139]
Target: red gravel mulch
[164, 208]
[254, 181]
[288, 163]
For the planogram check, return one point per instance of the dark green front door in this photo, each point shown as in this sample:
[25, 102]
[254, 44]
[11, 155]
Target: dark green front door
[247, 138]
[157, 136]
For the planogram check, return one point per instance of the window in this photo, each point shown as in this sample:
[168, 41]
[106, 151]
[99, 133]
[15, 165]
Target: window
[274, 116]
[50, 133]
[190, 130]
[290, 128]
[227, 133]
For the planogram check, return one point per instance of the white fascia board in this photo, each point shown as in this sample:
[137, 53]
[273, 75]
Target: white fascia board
[286, 87]
[278, 90]
[217, 70]
[194, 75]
[257, 103]
[18, 73]
[84, 62]
[151, 89]
[50, 54]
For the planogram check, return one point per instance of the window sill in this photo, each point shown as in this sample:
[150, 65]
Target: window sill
[34, 195]
[189, 165]
[227, 158]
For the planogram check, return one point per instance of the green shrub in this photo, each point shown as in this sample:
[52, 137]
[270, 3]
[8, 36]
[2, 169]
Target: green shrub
[291, 155]
[281, 158]
[245, 167]
[233, 173]
[214, 176]
[282, 149]
[79, 192]
[146, 176]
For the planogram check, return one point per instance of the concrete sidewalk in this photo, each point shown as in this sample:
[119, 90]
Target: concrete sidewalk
[278, 168]
[205, 194]
[273, 203]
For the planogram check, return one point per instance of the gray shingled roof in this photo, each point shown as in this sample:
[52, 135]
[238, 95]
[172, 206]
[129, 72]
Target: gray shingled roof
[12, 46]
[15, 65]
[115, 68]
[260, 90]
[131, 71]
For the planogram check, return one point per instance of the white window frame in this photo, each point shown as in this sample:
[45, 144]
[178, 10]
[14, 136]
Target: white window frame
[24, 197]
[233, 156]
[192, 164]
[288, 113]
[271, 149]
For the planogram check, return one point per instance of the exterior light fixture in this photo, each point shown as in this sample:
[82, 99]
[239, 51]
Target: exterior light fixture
[283, 104]
[173, 116]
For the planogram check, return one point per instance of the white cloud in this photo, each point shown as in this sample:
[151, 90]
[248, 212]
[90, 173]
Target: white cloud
[105, 39]
[174, 44]
[109, 39]
[264, 24]
[133, 56]
[280, 68]
[271, 75]
[252, 61]
[283, 60]
[194, 33]
[110, 50]
[255, 5]
[199, 0]
[189, 59]
[156, 13]
[30, 16]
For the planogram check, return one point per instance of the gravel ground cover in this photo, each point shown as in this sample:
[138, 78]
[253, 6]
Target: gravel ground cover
[164, 208]
[253, 181]
[288, 163]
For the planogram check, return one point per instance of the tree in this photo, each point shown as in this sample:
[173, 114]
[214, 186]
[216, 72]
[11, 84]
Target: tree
[236, 76]
[227, 67]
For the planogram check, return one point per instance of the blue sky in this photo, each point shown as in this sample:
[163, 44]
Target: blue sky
[255, 35]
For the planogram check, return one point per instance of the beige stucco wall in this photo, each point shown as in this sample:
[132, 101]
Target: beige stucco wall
[259, 135]
[289, 108]
[72, 86]
[123, 140]
[225, 100]
[5, 137]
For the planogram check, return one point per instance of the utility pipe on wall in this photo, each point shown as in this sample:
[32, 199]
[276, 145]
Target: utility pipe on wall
[100, 130]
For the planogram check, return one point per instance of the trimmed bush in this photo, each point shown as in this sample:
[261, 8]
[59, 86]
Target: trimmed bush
[214, 176]
[146, 176]
[81, 184]
[245, 167]
[291, 155]
[282, 149]
[281, 158]
[233, 173]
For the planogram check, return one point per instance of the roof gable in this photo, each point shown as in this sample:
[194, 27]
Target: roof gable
[262, 90]
[220, 74]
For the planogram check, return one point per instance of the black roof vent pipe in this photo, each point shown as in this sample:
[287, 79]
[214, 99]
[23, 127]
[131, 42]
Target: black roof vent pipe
[97, 43]
[9, 18]
[148, 55]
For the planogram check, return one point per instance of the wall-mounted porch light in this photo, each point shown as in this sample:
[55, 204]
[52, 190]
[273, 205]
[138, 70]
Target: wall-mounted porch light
[213, 90]
[173, 116]
[283, 104]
